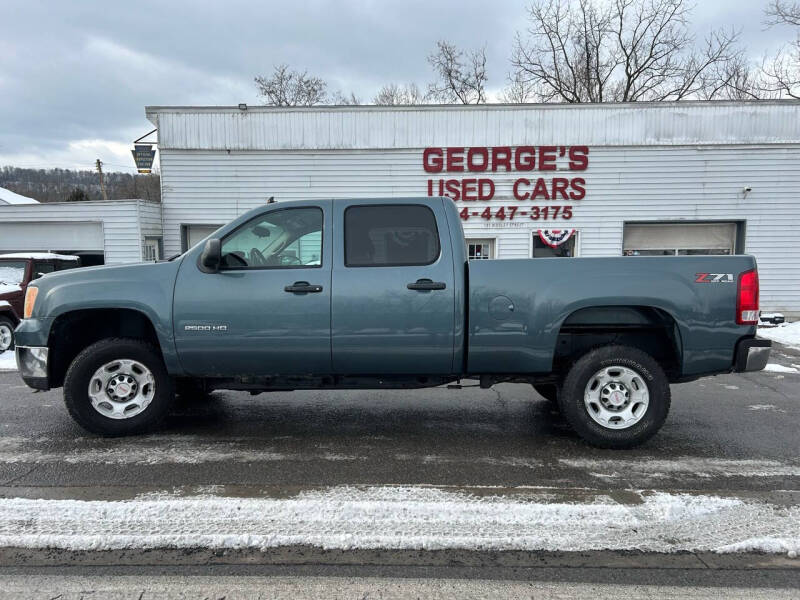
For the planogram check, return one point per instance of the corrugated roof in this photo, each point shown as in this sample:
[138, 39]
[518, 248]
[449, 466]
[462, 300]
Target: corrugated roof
[388, 127]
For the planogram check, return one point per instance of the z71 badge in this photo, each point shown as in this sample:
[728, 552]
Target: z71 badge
[713, 278]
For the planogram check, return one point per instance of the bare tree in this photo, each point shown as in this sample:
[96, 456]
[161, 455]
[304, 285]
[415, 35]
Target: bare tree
[393, 94]
[518, 91]
[461, 75]
[619, 51]
[782, 72]
[349, 100]
[288, 87]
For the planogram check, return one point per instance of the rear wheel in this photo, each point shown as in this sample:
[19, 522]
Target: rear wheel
[615, 397]
[6, 334]
[117, 387]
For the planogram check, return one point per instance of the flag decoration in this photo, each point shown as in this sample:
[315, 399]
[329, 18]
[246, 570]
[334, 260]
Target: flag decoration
[555, 237]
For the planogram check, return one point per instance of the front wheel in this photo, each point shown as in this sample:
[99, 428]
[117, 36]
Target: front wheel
[615, 397]
[118, 387]
[6, 334]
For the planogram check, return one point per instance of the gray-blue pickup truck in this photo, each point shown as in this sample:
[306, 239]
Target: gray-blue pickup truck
[379, 293]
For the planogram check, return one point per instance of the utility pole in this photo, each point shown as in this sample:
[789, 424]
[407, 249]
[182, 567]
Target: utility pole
[99, 166]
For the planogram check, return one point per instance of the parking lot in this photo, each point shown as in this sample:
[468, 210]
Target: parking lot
[729, 439]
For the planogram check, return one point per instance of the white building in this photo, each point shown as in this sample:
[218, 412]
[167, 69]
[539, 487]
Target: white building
[654, 178]
[100, 232]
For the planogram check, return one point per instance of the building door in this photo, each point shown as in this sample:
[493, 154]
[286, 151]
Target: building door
[684, 239]
[150, 249]
[267, 310]
[380, 325]
[480, 249]
[192, 234]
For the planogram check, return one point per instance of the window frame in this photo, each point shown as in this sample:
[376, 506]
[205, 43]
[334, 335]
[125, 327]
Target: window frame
[413, 264]
[274, 268]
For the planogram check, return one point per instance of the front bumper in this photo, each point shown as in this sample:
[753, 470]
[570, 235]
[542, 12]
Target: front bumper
[32, 364]
[752, 354]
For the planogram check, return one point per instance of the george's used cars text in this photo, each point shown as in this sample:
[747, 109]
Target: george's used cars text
[378, 293]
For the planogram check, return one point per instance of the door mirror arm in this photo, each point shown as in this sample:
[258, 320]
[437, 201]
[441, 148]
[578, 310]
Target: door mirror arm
[211, 257]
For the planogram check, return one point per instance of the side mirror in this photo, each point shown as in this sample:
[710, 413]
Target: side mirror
[211, 257]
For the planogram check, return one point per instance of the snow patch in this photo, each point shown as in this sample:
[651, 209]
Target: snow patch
[785, 333]
[7, 361]
[40, 256]
[402, 518]
[776, 368]
[657, 468]
[6, 288]
[770, 407]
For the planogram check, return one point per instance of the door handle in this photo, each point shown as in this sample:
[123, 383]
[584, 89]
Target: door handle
[302, 287]
[426, 284]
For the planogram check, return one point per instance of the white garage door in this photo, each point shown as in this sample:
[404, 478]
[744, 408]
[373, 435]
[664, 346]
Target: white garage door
[51, 236]
[195, 233]
[679, 239]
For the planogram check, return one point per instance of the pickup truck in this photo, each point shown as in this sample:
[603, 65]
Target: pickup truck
[379, 293]
[16, 272]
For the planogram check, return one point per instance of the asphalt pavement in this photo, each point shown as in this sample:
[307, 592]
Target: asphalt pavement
[727, 436]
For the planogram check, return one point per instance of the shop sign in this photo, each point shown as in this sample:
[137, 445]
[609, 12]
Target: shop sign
[529, 167]
[143, 155]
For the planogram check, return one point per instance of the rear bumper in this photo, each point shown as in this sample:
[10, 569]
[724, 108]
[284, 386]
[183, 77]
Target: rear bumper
[32, 364]
[752, 354]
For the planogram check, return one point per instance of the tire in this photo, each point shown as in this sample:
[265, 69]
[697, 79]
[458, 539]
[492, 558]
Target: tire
[96, 408]
[548, 391]
[605, 415]
[6, 334]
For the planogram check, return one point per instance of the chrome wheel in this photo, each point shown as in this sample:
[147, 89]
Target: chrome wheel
[6, 336]
[121, 389]
[616, 397]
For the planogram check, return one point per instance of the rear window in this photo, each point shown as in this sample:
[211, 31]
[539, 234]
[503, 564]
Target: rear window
[390, 235]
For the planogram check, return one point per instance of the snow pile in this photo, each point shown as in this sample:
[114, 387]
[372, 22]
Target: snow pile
[40, 256]
[11, 275]
[402, 518]
[9, 197]
[785, 333]
[7, 361]
[776, 368]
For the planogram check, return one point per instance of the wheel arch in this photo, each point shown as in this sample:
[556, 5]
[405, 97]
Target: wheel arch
[75, 330]
[649, 328]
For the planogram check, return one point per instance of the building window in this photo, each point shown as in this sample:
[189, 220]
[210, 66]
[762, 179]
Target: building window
[542, 248]
[151, 249]
[480, 249]
[679, 239]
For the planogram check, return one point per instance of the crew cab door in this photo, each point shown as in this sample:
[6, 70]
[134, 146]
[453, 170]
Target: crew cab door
[267, 310]
[393, 289]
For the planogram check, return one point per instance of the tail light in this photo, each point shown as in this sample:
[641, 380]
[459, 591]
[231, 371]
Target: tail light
[30, 300]
[747, 298]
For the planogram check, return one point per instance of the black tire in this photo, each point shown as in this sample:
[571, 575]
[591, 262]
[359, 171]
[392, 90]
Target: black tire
[571, 398]
[80, 372]
[6, 322]
[548, 391]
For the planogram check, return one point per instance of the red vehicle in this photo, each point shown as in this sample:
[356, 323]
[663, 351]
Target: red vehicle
[16, 272]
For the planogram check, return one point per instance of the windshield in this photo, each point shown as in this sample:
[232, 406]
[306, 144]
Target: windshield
[12, 271]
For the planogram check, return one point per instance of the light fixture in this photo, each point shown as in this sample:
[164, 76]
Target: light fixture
[242, 106]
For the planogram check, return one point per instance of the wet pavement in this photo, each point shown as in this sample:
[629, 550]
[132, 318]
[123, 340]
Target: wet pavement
[729, 436]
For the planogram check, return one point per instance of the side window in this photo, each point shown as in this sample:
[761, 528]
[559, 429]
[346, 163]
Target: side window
[288, 238]
[42, 268]
[390, 235]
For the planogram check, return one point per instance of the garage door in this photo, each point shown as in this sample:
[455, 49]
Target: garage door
[65, 237]
[195, 233]
[659, 239]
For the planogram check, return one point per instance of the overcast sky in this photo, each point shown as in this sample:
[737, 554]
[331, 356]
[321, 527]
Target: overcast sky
[76, 75]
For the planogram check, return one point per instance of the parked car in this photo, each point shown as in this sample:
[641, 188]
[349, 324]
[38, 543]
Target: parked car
[774, 318]
[16, 272]
[378, 293]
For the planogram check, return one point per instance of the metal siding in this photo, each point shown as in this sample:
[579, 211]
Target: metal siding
[119, 220]
[371, 127]
[623, 184]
